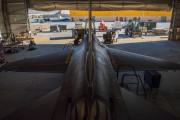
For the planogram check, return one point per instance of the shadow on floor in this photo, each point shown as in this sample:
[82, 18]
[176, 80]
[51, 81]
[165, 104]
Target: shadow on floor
[59, 38]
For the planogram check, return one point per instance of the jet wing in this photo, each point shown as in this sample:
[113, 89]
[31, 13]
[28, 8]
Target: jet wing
[127, 60]
[53, 62]
[140, 109]
[42, 109]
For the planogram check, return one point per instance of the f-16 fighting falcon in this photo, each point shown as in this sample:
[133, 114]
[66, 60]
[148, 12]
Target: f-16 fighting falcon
[90, 90]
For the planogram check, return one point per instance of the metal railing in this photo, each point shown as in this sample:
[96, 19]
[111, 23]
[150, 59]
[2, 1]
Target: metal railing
[138, 78]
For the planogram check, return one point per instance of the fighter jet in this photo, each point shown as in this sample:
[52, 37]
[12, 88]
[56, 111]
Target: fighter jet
[90, 89]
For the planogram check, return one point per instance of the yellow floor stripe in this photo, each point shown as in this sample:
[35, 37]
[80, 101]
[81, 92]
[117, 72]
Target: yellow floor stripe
[102, 40]
[53, 40]
[144, 39]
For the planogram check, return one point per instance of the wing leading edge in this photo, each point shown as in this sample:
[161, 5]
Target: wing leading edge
[140, 62]
[53, 62]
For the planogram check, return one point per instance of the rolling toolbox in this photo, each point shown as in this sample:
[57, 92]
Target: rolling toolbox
[152, 78]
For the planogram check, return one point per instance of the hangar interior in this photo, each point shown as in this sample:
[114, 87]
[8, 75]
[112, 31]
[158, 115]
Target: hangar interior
[23, 88]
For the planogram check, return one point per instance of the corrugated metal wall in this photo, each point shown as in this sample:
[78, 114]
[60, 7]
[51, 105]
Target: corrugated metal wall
[175, 22]
[13, 16]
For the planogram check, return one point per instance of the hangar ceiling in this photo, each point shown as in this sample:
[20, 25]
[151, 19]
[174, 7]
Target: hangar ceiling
[14, 17]
[101, 5]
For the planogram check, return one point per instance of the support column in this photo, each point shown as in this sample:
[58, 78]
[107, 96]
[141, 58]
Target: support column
[175, 21]
[27, 4]
[4, 19]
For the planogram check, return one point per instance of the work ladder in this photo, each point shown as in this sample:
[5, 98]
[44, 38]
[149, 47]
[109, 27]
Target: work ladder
[138, 78]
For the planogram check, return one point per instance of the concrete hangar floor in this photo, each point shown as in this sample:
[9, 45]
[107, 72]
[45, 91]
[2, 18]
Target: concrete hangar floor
[19, 89]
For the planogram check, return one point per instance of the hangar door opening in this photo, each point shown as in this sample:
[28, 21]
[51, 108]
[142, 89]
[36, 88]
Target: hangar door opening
[133, 24]
[53, 25]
